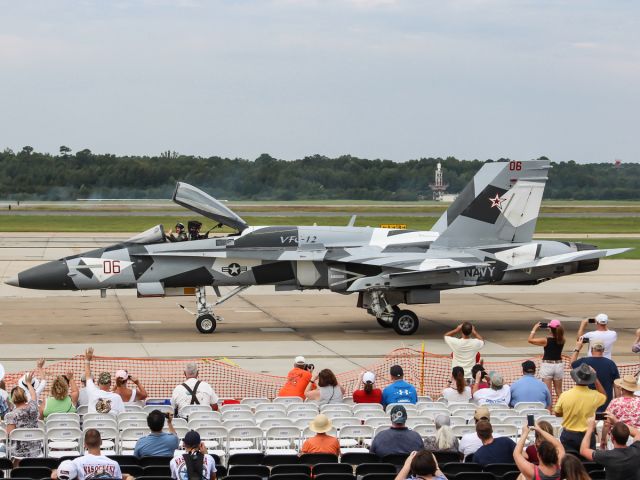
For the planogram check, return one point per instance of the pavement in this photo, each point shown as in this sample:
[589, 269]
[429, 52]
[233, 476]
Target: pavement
[263, 330]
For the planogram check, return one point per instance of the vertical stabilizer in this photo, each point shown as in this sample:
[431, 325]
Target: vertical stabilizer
[500, 205]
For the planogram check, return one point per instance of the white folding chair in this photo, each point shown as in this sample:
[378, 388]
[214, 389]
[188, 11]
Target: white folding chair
[74, 417]
[270, 407]
[177, 422]
[235, 407]
[245, 440]
[180, 431]
[409, 407]
[187, 410]
[432, 404]
[331, 414]
[197, 424]
[527, 405]
[498, 416]
[424, 398]
[64, 442]
[98, 416]
[376, 407]
[340, 422]
[425, 430]
[413, 421]
[140, 415]
[128, 439]
[266, 414]
[282, 440]
[59, 422]
[348, 400]
[453, 406]
[433, 412]
[536, 412]
[517, 420]
[253, 401]
[377, 421]
[243, 422]
[464, 413]
[457, 420]
[25, 435]
[276, 422]
[301, 414]
[103, 421]
[3, 442]
[302, 423]
[354, 438]
[132, 423]
[163, 408]
[501, 430]
[365, 414]
[109, 436]
[215, 439]
[211, 415]
[309, 407]
[237, 415]
[335, 407]
[287, 400]
[133, 407]
[460, 430]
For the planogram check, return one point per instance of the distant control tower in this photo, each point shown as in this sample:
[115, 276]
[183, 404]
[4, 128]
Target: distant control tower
[438, 188]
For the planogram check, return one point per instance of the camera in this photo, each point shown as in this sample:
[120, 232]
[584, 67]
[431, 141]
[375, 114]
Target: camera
[592, 320]
[309, 366]
[530, 420]
[168, 415]
[600, 416]
[585, 339]
[543, 325]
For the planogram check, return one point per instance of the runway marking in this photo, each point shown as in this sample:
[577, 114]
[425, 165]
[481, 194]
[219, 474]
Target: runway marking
[277, 329]
[144, 322]
[248, 311]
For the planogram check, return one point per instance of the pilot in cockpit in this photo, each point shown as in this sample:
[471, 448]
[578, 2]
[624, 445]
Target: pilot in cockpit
[194, 230]
[180, 236]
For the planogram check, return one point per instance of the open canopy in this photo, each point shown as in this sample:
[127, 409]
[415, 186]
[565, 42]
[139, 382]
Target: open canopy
[196, 200]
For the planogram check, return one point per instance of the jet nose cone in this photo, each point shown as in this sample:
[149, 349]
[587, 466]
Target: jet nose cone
[48, 276]
[13, 281]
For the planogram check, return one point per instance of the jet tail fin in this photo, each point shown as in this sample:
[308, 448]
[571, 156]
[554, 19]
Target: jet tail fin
[500, 205]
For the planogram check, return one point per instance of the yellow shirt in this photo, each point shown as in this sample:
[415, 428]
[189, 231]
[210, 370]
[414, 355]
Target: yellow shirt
[576, 405]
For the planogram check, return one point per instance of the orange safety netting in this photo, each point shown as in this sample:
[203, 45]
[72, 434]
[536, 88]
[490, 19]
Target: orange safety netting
[430, 373]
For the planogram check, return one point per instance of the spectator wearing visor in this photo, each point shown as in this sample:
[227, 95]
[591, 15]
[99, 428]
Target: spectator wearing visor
[180, 236]
[602, 333]
[552, 365]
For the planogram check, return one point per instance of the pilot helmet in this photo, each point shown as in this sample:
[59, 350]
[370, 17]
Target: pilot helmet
[180, 226]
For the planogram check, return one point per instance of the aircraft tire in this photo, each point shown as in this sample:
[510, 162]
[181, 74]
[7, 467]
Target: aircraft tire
[206, 323]
[383, 324]
[405, 322]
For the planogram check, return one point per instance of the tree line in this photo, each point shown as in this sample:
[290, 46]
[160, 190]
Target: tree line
[30, 175]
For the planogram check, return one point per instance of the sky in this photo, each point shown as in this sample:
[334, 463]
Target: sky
[393, 79]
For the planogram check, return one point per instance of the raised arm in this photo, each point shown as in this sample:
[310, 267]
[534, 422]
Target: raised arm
[88, 356]
[541, 342]
[523, 464]
[403, 474]
[141, 392]
[583, 327]
[475, 333]
[453, 332]
[576, 351]
[585, 449]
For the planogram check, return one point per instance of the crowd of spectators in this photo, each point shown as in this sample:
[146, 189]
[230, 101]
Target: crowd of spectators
[600, 406]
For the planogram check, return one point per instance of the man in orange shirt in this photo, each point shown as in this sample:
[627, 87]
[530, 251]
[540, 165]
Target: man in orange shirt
[321, 443]
[297, 379]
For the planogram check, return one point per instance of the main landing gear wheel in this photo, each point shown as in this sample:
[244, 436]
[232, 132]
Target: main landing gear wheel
[206, 323]
[405, 322]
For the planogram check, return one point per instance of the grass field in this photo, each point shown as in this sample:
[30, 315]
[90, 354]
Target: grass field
[75, 223]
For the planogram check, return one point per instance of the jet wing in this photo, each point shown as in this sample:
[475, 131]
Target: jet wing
[196, 200]
[568, 257]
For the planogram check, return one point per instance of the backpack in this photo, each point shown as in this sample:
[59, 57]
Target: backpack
[194, 462]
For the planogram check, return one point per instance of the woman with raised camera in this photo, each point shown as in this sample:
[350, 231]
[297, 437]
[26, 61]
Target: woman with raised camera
[552, 366]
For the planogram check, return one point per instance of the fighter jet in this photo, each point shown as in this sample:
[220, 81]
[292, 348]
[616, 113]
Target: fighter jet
[485, 237]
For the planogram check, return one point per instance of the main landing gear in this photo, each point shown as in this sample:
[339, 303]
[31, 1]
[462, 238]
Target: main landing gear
[206, 319]
[404, 322]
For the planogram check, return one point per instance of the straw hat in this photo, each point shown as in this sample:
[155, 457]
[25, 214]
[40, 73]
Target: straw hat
[628, 382]
[320, 424]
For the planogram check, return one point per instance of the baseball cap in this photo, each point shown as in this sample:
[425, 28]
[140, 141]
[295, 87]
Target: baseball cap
[399, 414]
[300, 360]
[104, 378]
[528, 366]
[396, 371]
[496, 379]
[67, 470]
[602, 318]
[482, 413]
[122, 374]
[554, 323]
[369, 377]
[191, 438]
[597, 345]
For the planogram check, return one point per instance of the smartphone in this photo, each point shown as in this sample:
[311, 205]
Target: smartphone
[543, 325]
[585, 339]
[592, 320]
[530, 421]
[600, 416]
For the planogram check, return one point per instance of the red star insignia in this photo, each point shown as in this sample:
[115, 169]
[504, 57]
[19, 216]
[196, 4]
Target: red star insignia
[496, 201]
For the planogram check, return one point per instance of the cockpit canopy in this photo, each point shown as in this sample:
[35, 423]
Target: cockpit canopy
[153, 235]
[196, 200]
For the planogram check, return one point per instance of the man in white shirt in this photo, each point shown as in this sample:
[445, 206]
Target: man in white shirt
[470, 442]
[497, 394]
[99, 397]
[464, 349]
[193, 391]
[91, 465]
[602, 333]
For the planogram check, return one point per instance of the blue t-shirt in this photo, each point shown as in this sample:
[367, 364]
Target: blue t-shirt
[606, 371]
[498, 451]
[529, 389]
[161, 444]
[399, 392]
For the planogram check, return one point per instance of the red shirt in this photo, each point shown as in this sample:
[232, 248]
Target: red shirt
[360, 396]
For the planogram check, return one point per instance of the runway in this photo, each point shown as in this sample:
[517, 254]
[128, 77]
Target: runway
[263, 330]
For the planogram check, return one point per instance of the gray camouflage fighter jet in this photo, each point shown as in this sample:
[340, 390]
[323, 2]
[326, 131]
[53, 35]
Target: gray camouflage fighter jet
[484, 237]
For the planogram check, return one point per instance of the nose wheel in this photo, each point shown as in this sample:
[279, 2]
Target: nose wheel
[206, 323]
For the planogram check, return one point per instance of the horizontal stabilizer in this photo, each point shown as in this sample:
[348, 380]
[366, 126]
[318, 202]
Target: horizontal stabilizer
[569, 257]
